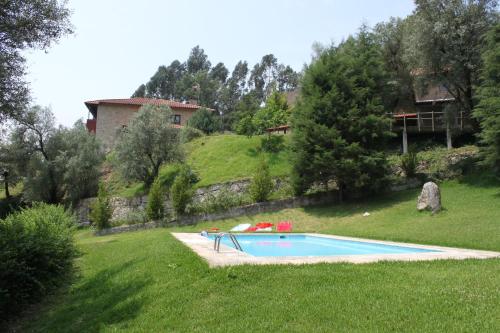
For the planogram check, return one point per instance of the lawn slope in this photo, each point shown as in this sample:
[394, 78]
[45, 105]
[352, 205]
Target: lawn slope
[223, 158]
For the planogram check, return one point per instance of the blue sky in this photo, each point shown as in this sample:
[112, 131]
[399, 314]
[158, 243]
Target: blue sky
[118, 45]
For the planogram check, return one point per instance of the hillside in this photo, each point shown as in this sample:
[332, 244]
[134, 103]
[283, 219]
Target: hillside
[223, 158]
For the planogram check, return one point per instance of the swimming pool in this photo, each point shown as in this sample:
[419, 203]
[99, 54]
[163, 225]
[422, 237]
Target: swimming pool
[298, 245]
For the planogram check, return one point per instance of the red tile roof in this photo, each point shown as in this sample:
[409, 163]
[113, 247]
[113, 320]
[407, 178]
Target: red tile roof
[142, 101]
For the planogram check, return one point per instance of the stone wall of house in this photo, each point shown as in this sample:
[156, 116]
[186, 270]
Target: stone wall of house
[110, 120]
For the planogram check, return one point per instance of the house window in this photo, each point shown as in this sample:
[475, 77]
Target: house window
[177, 119]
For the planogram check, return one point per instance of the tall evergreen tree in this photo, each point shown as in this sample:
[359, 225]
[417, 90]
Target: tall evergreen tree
[339, 124]
[488, 108]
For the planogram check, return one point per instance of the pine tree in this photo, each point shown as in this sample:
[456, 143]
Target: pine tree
[339, 124]
[155, 209]
[488, 109]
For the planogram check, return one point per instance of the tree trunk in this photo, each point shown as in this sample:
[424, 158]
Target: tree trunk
[448, 135]
[341, 192]
[6, 184]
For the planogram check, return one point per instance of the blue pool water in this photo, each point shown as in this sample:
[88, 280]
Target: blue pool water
[278, 245]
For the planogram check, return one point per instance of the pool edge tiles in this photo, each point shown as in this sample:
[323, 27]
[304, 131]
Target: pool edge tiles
[230, 256]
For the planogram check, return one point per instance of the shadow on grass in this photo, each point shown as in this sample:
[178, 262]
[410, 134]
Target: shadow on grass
[102, 300]
[371, 203]
[483, 179]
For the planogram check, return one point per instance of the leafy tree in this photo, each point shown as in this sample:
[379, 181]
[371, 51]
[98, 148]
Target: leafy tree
[13, 161]
[340, 126]
[446, 41]
[205, 120]
[25, 24]
[391, 36]
[100, 209]
[181, 191]
[246, 126]
[274, 113]
[155, 209]
[487, 110]
[246, 108]
[140, 92]
[197, 61]
[262, 184]
[232, 92]
[219, 73]
[287, 79]
[149, 141]
[63, 164]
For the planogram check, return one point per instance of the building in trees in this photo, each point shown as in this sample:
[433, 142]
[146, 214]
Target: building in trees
[109, 116]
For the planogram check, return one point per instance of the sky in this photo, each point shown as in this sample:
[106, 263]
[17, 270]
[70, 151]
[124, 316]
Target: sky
[119, 44]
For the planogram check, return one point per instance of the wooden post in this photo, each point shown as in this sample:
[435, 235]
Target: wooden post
[448, 135]
[418, 121]
[432, 114]
[405, 137]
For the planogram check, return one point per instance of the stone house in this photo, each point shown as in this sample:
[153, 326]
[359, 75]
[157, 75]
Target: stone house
[108, 116]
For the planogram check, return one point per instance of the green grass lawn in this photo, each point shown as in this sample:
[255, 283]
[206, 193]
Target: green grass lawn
[150, 282]
[223, 158]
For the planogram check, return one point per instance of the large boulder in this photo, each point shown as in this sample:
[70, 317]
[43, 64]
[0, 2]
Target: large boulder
[430, 198]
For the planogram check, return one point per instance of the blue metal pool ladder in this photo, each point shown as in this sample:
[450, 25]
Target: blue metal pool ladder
[231, 237]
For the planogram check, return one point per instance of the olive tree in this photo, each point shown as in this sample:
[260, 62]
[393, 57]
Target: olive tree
[148, 141]
[59, 164]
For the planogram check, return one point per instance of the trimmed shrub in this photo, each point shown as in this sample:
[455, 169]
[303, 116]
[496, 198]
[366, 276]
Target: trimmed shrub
[189, 133]
[155, 209]
[37, 252]
[205, 120]
[181, 192]
[409, 163]
[272, 143]
[262, 184]
[100, 210]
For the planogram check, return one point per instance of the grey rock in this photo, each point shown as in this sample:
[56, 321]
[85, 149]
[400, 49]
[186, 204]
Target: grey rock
[429, 198]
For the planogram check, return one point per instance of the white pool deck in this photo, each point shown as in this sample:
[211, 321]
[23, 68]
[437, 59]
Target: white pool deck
[228, 256]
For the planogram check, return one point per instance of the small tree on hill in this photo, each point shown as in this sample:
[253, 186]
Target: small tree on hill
[262, 184]
[181, 191]
[101, 210]
[274, 113]
[205, 120]
[149, 141]
[488, 109]
[155, 209]
[339, 125]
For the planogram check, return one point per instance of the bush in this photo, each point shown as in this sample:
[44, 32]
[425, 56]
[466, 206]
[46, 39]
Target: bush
[205, 120]
[181, 192]
[272, 143]
[409, 163]
[262, 184]
[133, 217]
[189, 133]
[224, 200]
[155, 209]
[37, 252]
[100, 210]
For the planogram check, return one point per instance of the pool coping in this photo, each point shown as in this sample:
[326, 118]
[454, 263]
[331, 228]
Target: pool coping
[229, 256]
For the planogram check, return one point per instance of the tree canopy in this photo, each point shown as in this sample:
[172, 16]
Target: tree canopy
[25, 24]
[149, 141]
[339, 124]
[488, 109]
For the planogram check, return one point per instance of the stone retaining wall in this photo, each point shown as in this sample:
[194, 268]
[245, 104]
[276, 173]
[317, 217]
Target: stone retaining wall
[261, 207]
